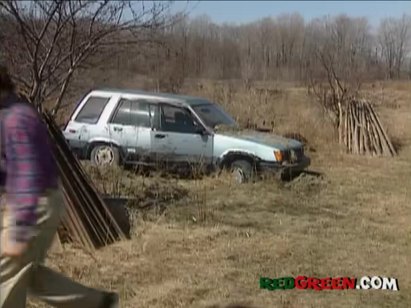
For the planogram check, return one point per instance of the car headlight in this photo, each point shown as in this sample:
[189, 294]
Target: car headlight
[279, 156]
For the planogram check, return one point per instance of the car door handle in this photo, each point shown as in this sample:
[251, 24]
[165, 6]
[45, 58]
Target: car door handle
[117, 129]
[159, 136]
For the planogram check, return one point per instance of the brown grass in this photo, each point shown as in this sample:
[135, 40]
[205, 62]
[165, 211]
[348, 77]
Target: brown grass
[209, 247]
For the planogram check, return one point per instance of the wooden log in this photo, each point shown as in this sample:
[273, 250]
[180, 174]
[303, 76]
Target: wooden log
[352, 127]
[386, 151]
[340, 123]
[384, 133]
[377, 143]
[356, 144]
[371, 139]
[376, 134]
[360, 143]
[349, 132]
[349, 129]
[361, 127]
[357, 115]
[346, 126]
[366, 134]
[366, 131]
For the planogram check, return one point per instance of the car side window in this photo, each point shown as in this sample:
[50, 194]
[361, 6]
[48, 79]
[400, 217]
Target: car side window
[91, 111]
[132, 112]
[140, 113]
[176, 119]
[154, 115]
[122, 114]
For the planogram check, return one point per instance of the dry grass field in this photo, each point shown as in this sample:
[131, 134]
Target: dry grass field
[207, 241]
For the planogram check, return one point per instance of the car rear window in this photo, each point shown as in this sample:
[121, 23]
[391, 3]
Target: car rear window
[92, 110]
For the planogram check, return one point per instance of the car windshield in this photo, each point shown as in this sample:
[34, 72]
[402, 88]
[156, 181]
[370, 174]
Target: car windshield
[213, 115]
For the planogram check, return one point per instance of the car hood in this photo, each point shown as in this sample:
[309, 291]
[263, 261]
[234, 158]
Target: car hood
[276, 141]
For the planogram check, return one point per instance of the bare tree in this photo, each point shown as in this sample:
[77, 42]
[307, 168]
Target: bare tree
[45, 42]
[394, 36]
[290, 29]
[248, 54]
[168, 66]
[337, 68]
[50, 43]
[200, 34]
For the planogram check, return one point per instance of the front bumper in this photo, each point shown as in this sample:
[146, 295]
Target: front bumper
[288, 168]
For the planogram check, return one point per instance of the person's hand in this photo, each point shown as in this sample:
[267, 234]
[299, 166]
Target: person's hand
[10, 248]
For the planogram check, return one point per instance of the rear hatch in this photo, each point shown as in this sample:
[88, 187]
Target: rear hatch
[86, 113]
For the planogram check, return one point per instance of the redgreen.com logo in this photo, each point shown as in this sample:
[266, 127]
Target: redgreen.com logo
[339, 283]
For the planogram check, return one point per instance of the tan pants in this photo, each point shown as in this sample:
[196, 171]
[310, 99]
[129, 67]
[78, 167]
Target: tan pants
[27, 274]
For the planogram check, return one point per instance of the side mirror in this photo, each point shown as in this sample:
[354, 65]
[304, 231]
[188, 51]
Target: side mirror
[201, 131]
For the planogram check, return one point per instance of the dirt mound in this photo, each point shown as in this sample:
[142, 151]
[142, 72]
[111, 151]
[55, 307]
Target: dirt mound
[307, 182]
[157, 193]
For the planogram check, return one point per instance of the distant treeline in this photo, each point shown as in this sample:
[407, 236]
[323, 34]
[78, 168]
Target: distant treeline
[283, 48]
[47, 43]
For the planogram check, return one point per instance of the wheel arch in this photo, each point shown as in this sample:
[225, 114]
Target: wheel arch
[229, 157]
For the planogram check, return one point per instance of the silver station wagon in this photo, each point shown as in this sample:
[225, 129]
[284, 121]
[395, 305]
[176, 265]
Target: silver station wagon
[115, 126]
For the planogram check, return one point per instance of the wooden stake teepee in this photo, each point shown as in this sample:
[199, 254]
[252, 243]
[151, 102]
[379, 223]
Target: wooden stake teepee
[88, 220]
[363, 131]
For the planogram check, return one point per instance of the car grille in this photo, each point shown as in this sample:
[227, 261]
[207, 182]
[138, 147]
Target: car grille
[294, 155]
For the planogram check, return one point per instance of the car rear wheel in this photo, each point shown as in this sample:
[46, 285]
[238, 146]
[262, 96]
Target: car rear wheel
[105, 155]
[242, 171]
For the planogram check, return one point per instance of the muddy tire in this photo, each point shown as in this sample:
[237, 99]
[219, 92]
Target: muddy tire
[105, 155]
[242, 171]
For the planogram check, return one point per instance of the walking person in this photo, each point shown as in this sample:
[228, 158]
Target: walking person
[30, 211]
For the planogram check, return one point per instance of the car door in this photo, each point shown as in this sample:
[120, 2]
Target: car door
[140, 147]
[131, 125]
[178, 138]
[121, 129]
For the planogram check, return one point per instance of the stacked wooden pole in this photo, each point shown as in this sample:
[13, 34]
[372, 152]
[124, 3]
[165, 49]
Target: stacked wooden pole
[88, 221]
[363, 131]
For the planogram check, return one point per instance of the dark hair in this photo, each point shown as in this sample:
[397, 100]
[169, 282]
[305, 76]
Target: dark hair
[6, 84]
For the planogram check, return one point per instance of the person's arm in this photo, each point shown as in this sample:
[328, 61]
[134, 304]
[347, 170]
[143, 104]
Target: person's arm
[23, 183]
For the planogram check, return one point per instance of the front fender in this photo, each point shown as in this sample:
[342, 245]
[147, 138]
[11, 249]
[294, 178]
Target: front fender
[230, 155]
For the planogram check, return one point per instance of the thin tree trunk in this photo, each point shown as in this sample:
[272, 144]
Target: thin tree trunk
[346, 126]
[63, 90]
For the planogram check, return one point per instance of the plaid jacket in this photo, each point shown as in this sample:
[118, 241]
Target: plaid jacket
[28, 167]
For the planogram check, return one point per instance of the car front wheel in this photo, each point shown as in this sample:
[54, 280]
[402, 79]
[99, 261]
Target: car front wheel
[105, 155]
[242, 171]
